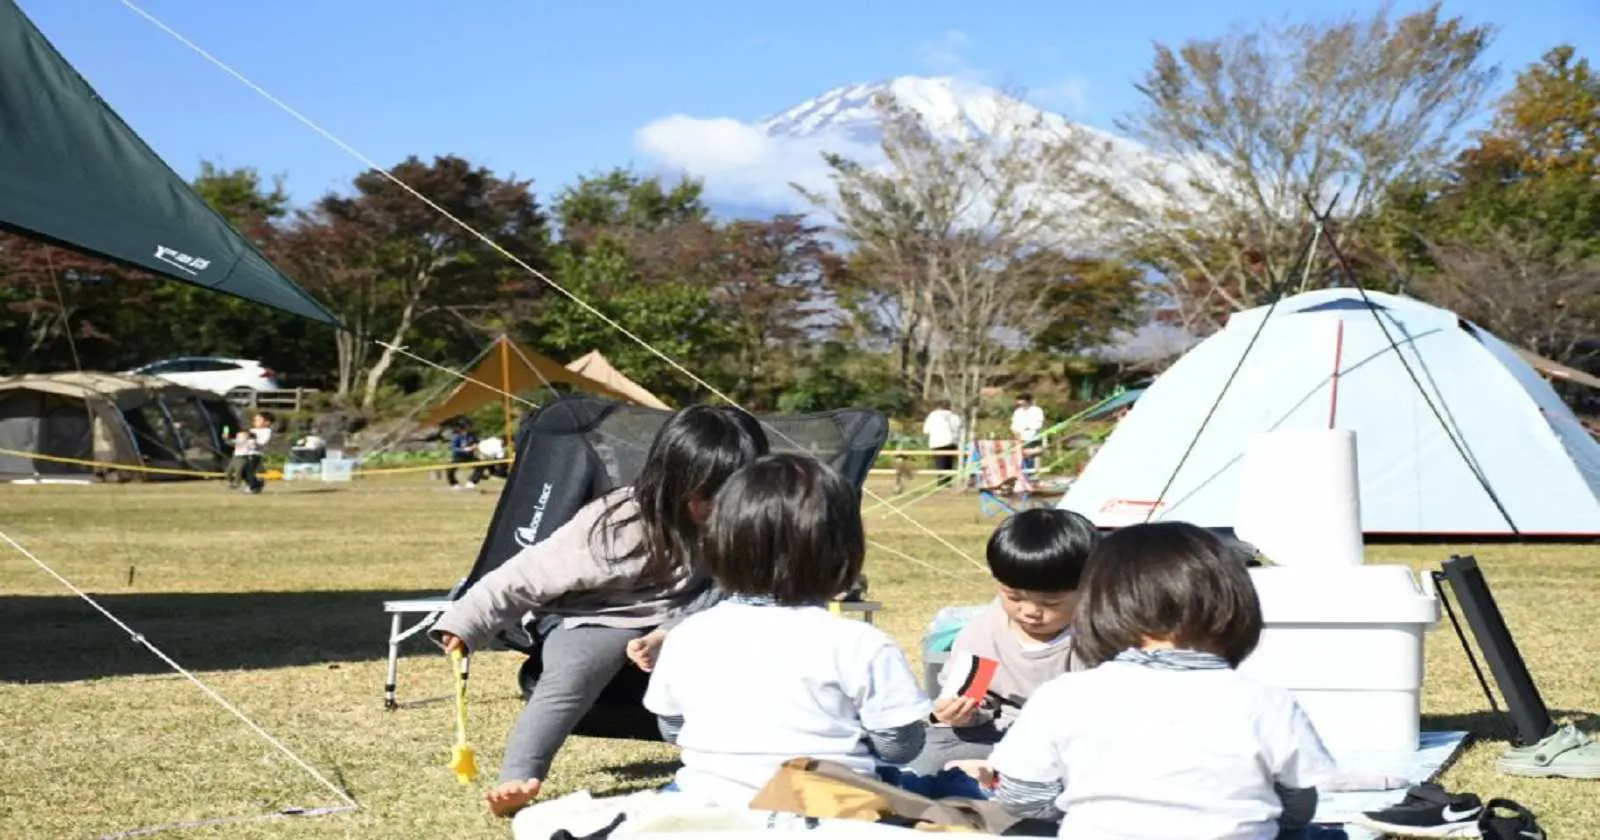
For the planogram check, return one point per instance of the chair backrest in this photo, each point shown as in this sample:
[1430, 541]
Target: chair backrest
[579, 447]
[1000, 461]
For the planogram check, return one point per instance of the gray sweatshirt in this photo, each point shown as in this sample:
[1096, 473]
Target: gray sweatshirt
[574, 573]
[1023, 668]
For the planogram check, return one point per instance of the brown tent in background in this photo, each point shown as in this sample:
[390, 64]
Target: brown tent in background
[509, 368]
[598, 368]
[1557, 370]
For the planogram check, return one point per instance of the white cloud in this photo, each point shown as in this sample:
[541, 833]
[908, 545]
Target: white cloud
[742, 164]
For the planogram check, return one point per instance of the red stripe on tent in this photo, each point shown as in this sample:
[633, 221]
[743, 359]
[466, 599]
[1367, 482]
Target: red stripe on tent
[1338, 357]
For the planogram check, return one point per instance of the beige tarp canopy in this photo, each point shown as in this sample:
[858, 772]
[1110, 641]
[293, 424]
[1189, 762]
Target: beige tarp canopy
[598, 368]
[509, 368]
[49, 422]
[1557, 370]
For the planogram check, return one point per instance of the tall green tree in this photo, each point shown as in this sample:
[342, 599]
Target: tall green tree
[1233, 131]
[640, 253]
[955, 249]
[774, 280]
[1510, 235]
[1088, 305]
[394, 268]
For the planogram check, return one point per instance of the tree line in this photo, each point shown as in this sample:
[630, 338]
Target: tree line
[941, 269]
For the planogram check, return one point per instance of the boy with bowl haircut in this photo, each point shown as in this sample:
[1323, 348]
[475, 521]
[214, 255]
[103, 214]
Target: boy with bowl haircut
[1036, 558]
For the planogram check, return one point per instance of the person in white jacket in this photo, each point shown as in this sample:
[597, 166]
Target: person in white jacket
[1027, 424]
[943, 430]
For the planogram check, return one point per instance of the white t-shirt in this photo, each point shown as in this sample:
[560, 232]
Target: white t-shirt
[943, 428]
[1149, 754]
[1027, 422]
[759, 685]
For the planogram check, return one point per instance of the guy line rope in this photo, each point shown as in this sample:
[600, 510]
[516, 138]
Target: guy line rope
[350, 803]
[495, 246]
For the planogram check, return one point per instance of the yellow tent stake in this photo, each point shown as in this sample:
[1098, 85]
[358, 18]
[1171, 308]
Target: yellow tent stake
[462, 761]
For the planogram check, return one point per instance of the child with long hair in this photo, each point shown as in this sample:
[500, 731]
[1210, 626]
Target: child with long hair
[1163, 738]
[770, 674]
[616, 575]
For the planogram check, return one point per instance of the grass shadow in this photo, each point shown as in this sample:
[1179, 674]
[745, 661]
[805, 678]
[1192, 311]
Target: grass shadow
[636, 776]
[67, 640]
[649, 770]
[1486, 725]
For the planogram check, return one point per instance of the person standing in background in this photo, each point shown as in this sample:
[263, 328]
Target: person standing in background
[943, 429]
[1027, 423]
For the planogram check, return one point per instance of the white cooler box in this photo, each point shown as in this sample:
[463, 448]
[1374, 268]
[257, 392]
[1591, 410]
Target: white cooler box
[1348, 641]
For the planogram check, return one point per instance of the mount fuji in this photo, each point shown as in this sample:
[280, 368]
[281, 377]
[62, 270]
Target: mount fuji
[748, 168]
[751, 166]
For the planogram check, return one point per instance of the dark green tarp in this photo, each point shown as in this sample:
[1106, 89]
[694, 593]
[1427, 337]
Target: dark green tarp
[73, 173]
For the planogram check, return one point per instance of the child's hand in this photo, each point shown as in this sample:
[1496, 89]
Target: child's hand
[452, 643]
[978, 769]
[642, 651]
[955, 711]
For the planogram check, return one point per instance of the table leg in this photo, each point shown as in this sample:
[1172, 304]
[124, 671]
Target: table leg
[389, 700]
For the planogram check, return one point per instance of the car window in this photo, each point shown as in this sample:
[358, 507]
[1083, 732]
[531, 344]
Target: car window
[210, 365]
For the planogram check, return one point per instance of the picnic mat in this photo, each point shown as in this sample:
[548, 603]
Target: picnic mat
[1434, 752]
[650, 812]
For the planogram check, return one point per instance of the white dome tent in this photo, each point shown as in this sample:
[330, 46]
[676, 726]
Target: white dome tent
[1323, 361]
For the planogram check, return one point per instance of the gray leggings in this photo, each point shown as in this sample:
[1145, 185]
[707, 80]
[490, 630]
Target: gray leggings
[578, 663]
[944, 745]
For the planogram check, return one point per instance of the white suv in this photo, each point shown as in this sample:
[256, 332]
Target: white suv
[211, 373]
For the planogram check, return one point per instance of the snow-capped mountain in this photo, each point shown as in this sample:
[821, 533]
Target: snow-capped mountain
[955, 111]
[753, 165]
[748, 168]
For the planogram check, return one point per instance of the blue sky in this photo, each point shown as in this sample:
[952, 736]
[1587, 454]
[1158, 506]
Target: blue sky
[550, 89]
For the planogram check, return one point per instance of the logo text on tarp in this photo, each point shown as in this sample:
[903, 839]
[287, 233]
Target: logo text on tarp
[181, 261]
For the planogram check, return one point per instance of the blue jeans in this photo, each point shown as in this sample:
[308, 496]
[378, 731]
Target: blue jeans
[937, 786]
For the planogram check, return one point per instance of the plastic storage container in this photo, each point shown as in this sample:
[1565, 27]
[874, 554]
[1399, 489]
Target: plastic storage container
[338, 469]
[301, 472]
[1348, 641]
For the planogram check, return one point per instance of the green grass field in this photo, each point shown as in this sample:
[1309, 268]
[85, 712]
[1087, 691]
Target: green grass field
[275, 602]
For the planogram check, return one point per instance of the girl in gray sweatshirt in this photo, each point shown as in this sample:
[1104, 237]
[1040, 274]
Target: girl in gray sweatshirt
[617, 574]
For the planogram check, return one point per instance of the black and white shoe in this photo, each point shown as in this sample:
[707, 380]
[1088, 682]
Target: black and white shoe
[1520, 825]
[1428, 811]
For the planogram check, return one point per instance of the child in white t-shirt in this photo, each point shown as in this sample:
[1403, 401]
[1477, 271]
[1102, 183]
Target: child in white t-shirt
[770, 674]
[1163, 738]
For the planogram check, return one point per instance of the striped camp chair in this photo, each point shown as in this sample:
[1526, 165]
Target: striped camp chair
[1002, 483]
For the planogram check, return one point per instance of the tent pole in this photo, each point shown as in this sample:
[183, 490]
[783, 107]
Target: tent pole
[505, 388]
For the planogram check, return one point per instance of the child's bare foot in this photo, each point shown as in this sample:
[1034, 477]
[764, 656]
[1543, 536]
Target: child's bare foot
[510, 797]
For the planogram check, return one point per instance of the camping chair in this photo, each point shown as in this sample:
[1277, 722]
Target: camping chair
[577, 448]
[1000, 476]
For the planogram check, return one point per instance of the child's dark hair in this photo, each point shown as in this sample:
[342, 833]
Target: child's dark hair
[787, 528]
[693, 454]
[1042, 550]
[1171, 581]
